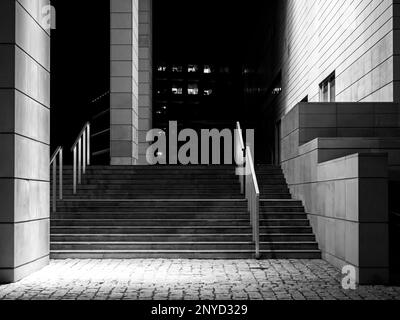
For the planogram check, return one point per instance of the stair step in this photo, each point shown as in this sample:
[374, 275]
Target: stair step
[84, 196]
[175, 222]
[184, 254]
[175, 215]
[182, 246]
[180, 237]
[175, 230]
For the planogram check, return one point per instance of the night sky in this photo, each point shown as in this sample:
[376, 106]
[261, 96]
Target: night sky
[184, 32]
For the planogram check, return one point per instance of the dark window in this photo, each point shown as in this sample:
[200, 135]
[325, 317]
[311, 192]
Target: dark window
[327, 89]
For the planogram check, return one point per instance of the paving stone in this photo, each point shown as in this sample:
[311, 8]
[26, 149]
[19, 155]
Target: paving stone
[148, 279]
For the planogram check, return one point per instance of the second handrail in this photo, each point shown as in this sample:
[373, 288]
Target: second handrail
[81, 155]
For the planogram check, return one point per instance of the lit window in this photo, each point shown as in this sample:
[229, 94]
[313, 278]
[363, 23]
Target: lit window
[193, 89]
[177, 90]
[162, 68]
[177, 69]
[193, 68]
[207, 69]
[208, 92]
[275, 91]
[327, 89]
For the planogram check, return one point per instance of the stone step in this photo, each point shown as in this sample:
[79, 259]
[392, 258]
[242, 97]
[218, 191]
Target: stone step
[85, 196]
[90, 196]
[182, 246]
[175, 222]
[153, 209]
[180, 237]
[184, 254]
[162, 176]
[150, 188]
[176, 215]
[175, 229]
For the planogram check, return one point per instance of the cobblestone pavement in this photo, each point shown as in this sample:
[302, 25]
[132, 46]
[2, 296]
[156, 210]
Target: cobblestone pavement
[189, 279]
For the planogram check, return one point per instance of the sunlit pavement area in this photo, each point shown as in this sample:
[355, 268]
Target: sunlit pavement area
[190, 280]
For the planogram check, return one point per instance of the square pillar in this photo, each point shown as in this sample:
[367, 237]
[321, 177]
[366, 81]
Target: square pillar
[145, 76]
[124, 81]
[24, 138]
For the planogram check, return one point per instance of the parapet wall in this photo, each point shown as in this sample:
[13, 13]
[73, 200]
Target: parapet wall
[337, 159]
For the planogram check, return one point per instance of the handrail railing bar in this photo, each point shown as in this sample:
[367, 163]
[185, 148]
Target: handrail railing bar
[240, 131]
[101, 113]
[74, 170]
[100, 152]
[81, 155]
[58, 154]
[249, 184]
[80, 135]
[79, 161]
[54, 186]
[100, 133]
[241, 148]
[88, 144]
[61, 164]
[253, 171]
[253, 195]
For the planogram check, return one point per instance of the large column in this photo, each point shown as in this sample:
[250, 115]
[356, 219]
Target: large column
[145, 75]
[124, 81]
[24, 138]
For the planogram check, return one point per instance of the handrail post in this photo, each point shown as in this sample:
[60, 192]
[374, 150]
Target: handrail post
[84, 152]
[54, 186]
[79, 161]
[257, 226]
[81, 151]
[61, 164]
[88, 144]
[74, 170]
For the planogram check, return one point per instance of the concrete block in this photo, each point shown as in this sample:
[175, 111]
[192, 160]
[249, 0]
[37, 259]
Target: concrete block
[352, 244]
[121, 133]
[31, 159]
[32, 38]
[121, 68]
[121, 6]
[7, 235]
[7, 145]
[121, 149]
[31, 78]
[121, 36]
[121, 20]
[121, 52]
[32, 241]
[121, 101]
[121, 84]
[7, 62]
[374, 245]
[7, 22]
[7, 119]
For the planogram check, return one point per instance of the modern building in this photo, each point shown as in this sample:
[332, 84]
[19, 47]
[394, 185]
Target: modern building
[326, 90]
[328, 84]
[196, 95]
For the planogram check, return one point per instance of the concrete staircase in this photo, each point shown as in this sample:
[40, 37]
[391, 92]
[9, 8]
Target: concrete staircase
[176, 212]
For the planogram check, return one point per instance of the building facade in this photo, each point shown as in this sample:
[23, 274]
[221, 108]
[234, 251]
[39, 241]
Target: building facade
[333, 113]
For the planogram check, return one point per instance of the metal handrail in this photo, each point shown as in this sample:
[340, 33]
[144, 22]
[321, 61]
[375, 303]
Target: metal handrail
[248, 184]
[240, 155]
[58, 154]
[81, 155]
[253, 197]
